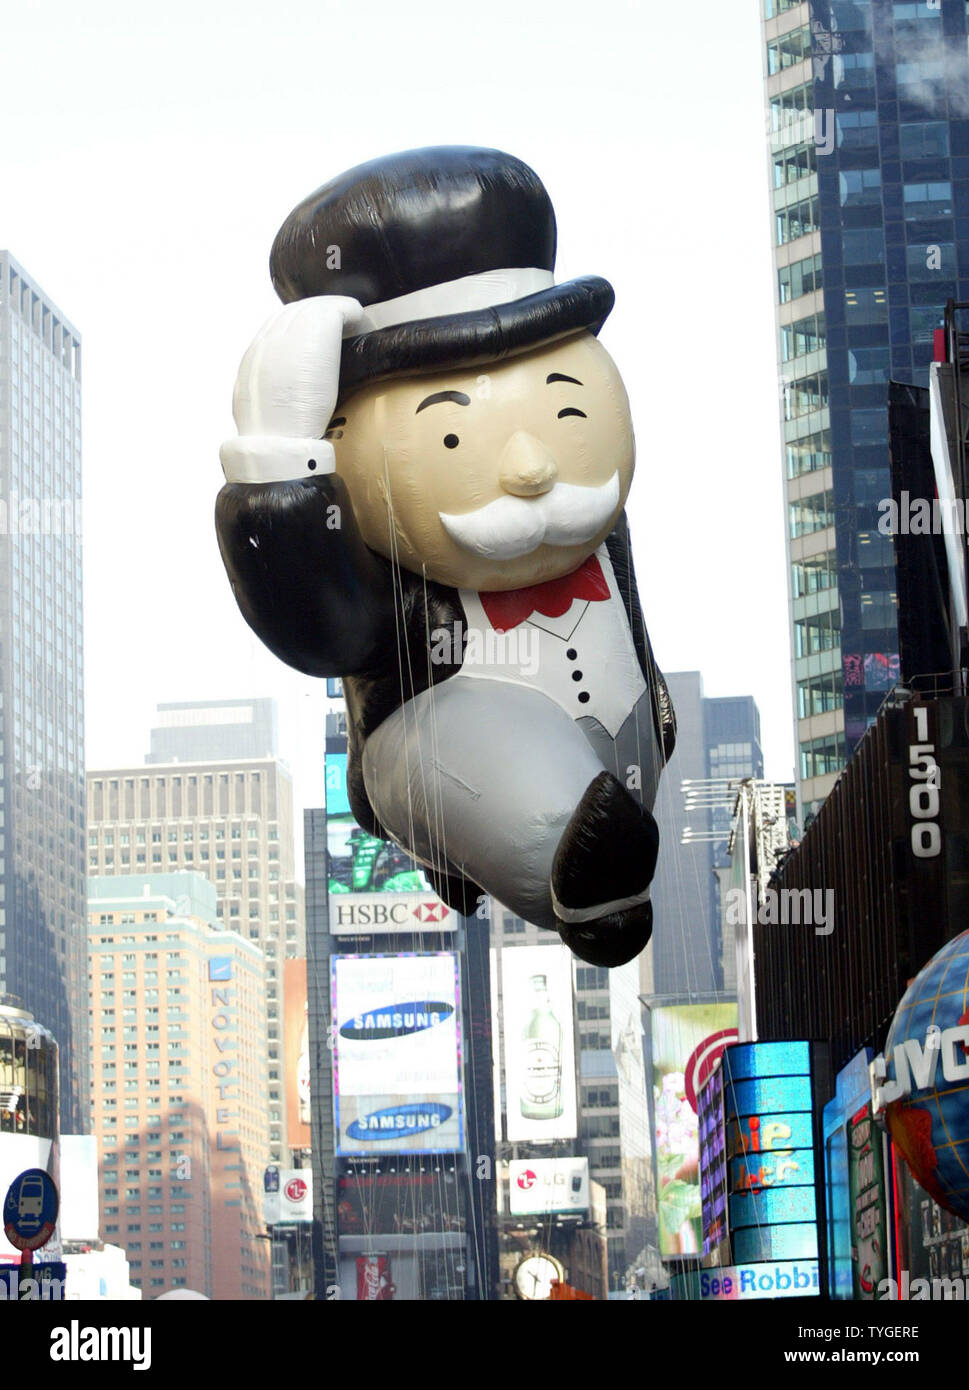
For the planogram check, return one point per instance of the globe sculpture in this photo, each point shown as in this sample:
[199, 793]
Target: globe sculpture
[931, 1125]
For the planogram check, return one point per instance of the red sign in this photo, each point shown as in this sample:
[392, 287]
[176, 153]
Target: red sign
[295, 1189]
[373, 1279]
[702, 1058]
[526, 1179]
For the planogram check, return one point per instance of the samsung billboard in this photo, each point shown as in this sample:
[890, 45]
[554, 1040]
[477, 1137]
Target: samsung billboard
[397, 1054]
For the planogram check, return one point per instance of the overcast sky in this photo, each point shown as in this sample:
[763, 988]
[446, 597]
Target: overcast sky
[148, 154]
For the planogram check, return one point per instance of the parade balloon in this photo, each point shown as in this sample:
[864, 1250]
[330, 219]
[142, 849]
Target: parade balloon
[426, 498]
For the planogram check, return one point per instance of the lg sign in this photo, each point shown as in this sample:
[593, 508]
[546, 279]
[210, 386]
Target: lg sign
[295, 1190]
[527, 1179]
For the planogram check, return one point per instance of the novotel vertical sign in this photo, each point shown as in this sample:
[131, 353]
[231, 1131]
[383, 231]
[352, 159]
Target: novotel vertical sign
[225, 1066]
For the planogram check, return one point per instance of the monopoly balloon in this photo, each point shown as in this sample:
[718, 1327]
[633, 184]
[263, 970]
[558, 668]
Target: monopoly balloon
[927, 1064]
[426, 498]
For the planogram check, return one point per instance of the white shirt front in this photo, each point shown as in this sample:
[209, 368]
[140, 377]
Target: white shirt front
[584, 660]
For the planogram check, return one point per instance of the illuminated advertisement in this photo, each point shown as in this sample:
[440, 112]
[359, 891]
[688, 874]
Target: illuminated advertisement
[713, 1161]
[539, 1042]
[768, 1115]
[373, 1279]
[410, 1203]
[289, 1200]
[548, 1186]
[866, 1190]
[932, 1244]
[785, 1279]
[363, 872]
[686, 1040]
[397, 1060]
[296, 1044]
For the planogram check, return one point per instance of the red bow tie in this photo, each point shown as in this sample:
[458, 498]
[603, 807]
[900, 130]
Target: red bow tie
[507, 610]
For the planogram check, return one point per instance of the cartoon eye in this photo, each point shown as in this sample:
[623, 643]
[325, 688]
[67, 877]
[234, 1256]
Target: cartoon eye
[571, 410]
[451, 441]
[332, 430]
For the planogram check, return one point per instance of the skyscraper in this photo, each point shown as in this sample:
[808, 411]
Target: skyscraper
[195, 731]
[718, 739]
[869, 155]
[178, 1054]
[232, 822]
[43, 939]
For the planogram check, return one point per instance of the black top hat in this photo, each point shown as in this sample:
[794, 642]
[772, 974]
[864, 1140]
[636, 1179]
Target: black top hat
[449, 249]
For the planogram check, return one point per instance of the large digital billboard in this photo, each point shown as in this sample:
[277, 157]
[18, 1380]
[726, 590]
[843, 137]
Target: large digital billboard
[686, 1041]
[406, 1203]
[539, 1042]
[372, 885]
[768, 1114]
[397, 1054]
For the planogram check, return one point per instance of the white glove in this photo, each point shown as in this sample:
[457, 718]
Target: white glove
[286, 390]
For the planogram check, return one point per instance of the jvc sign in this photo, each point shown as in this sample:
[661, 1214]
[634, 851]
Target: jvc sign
[918, 1064]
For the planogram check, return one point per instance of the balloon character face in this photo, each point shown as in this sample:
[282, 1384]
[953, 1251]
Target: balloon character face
[491, 478]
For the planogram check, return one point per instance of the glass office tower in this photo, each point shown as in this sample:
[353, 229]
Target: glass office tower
[718, 738]
[868, 115]
[43, 936]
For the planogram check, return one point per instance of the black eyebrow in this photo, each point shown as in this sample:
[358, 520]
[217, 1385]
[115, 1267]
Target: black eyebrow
[337, 420]
[571, 410]
[557, 376]
[458, 397]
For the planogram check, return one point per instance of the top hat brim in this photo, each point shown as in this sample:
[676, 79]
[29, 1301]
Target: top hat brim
[476, 337]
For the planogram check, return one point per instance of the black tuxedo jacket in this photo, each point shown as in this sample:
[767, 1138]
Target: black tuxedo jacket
[327, 604]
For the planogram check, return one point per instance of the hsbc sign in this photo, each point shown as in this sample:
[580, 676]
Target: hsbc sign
[369, 914]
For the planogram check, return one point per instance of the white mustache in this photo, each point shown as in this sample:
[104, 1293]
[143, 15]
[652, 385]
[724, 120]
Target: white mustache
[512, 526]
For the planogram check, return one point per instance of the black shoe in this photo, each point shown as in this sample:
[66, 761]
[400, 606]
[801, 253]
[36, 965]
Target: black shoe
[611, 940]
[601, 874]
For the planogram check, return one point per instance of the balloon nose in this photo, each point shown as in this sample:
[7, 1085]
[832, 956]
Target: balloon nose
[526, 468]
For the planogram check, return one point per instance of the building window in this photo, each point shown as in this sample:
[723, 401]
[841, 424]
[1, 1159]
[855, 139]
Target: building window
[927, 200]
[812, 513]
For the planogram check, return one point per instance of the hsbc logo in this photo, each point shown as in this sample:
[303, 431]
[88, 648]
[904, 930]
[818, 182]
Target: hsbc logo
[431, 912]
